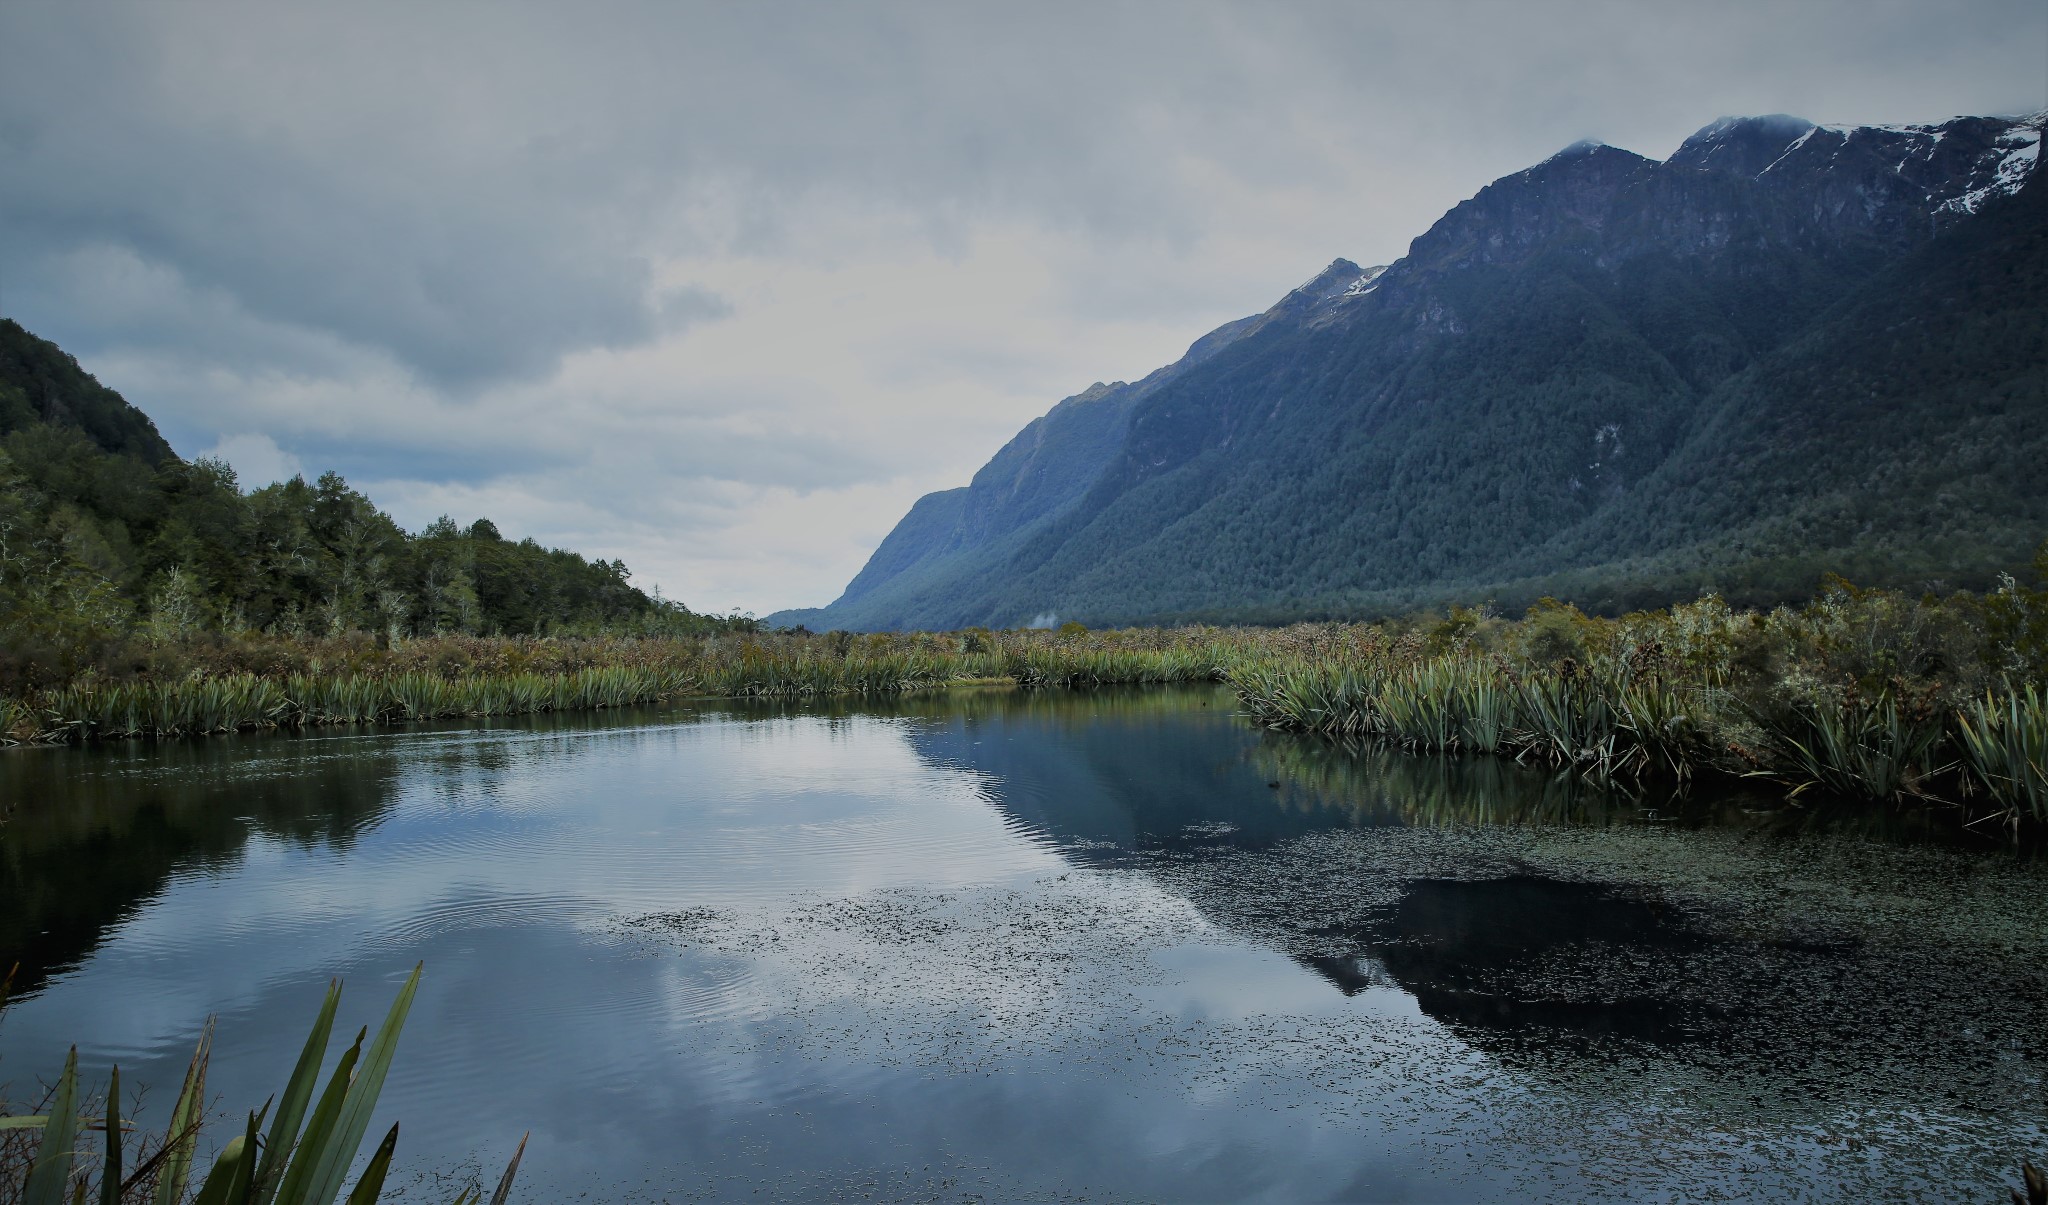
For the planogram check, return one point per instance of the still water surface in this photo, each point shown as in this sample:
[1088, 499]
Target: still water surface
[995, 945]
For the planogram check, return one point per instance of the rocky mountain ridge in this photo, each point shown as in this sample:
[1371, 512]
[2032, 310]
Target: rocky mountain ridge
[1484, 416]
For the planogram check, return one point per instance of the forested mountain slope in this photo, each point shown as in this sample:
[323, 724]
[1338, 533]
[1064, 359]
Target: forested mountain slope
[42, 386]
[107, 535]
[1787, 349]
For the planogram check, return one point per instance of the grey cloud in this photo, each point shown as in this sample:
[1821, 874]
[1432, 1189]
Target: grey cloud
[628, 454]
[385, 234]
[469, 187]
[679, 309]
[95, 295]
[460, 292]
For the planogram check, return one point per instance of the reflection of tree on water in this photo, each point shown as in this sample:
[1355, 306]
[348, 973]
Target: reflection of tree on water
[1466, 950]
[1371, 785]
[97, 831]
[1112, 775]
[1377, 868]
[1068, 708]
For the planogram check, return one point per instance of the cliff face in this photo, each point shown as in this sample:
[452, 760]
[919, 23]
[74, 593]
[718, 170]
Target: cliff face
[1604, 376]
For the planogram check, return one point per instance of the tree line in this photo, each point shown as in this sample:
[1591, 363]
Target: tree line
[110, 542]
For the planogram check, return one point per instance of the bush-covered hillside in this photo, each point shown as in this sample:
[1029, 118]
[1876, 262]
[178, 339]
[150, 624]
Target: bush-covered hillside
[108, 539]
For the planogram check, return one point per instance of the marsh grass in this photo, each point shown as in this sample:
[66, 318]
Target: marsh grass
[1885, 748]
[2005, 744]
[1081, 666]
[1859, 696]
[471, 677]
[1862, 694]
[1882, 748]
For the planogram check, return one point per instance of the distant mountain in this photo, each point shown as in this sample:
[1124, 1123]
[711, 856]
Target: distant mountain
[1787, 349]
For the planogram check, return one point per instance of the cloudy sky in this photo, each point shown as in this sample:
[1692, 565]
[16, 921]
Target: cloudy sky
[722, 288]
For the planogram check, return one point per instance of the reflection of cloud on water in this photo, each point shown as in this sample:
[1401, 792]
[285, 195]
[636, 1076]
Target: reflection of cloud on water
[344, 853]
[933, 969]
[1118, 983]
[1118, 991]
[1077, 942]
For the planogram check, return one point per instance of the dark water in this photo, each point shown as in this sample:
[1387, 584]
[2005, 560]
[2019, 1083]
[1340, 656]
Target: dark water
[1038, 947]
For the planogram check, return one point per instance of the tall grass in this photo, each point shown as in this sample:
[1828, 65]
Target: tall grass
[241, 702]
[1882, 748]
[1449, 704]
[467, 677]
[2005, 744]
[1070, 666]
[1861, 694]
[1617, 720]
[1333, 699]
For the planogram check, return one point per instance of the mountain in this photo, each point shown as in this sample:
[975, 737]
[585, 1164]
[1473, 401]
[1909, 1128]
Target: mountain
[40, 384]
[1785, 350]
[106, 536]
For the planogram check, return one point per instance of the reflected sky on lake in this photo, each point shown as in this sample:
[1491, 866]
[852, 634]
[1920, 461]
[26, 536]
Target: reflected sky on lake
[1026, 946]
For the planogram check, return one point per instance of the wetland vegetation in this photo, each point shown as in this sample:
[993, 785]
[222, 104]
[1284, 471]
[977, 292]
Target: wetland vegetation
[1871, 695]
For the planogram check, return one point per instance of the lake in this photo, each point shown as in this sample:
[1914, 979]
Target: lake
[1004, 945]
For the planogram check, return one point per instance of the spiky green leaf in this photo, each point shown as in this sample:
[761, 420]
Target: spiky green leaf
[291, 1109]
[51, 1173]
[229, 1168]
[299, 1173]
[110, 1174]
[182, 1135]
[340, 1148]
[372, 1181]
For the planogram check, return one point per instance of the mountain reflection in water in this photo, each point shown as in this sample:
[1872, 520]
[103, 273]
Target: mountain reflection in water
[1018, 943]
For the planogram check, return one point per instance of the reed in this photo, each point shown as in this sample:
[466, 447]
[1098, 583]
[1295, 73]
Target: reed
[758, 673]
[1671, 726]
[242, 702]
[1885, 748]
[1452, 705]
[1065, 666]
[2004, 744]
[1625, 718]
[1571, 718]
[1863, 694]
[1337, 697]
